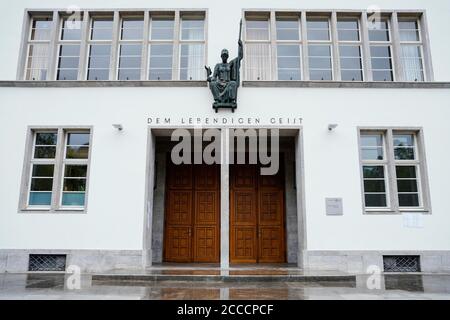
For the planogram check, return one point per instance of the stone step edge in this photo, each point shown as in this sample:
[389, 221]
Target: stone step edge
[224, 278]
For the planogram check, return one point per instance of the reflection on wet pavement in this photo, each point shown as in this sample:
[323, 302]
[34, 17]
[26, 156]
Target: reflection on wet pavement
[393, 286]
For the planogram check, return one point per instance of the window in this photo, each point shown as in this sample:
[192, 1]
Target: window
[101, 32]
[75, 169]
[57, 174]
[161, 47]
[130, 48]
[374, 170]
[350, 49]
[406, 168]
[411, 50]
[392, 153]
[42, 169]
[319, 48]
[258, 57]
[38, 49]
[69, 49]
[288, 48]
[381, 50]
[192, 47]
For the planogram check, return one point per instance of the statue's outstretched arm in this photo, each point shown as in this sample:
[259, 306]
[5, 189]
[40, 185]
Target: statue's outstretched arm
[240, 50]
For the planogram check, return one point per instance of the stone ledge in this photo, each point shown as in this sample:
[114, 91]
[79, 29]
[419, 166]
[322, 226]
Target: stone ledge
[101, 84]
[346, 84]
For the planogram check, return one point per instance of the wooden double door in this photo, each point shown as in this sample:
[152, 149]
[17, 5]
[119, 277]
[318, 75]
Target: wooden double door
[192, 219]
[257, 214]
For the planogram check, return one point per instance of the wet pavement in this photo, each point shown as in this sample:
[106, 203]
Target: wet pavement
[391, 286]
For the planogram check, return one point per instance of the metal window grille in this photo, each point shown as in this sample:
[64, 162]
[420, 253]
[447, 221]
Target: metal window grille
[47, 262]
[401, 263]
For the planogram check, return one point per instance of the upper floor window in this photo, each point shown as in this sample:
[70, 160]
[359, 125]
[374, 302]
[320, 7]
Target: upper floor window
[350, 48]
[381, 49]
[393, 170]
[319, 48]
[100, 43]
[411, 49]
[125, 45]
[347, 46]
[69, 48]
[289, 47]
[38, 48]
[56, 177]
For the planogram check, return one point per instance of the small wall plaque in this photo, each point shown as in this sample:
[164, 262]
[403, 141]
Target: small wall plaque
[334, 206]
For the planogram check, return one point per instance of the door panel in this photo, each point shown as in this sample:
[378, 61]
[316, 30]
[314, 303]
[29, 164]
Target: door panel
[256, 216]
[178, 244]
[192, 221]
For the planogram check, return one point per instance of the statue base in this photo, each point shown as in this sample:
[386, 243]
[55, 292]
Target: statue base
[230, 105]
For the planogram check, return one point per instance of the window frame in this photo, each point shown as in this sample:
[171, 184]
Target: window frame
[30, 42]
[55, 206]
[421, 170]
[180, 42]
[93, 42]
[352, 43]
[60, 42]
[419, 43]
[299, 42]
[394, 43]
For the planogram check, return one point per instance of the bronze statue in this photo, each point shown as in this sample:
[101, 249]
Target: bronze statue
[225, 80]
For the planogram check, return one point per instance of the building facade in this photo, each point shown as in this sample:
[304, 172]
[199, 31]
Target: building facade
[355, 96]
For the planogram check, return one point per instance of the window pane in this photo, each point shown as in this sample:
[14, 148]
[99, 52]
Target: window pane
[73, 199]
[318, 29]
[348, 30]
[257, 61]
[37, 64]
[43, 170]
[78, 139]
[320, 64]
[40, 29]
[408, 200]
[378, 30]
[351, 63]
[192, 29]
[74, 185]
[374, 186]
[371, 153]
[375, 200]
[288, 29]
[409, 30]
[162, 29]
[257, 29]
[372, 172]
[40, 198]
[75, 171]
[403, 140]
[288, 62]
[130, 62]
[99, 62]
[412, 66]
[409, 185]
[132, 29]
[46, 139]
[406, 171]
[101, 29]
[44, 152]
[129, 74]
[41, 184]
[192, 62]
[69, 56]
[71, 29]
[161, 57]
[77, 152]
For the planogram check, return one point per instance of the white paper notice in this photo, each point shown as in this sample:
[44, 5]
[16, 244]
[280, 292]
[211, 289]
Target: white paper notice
[412, 220]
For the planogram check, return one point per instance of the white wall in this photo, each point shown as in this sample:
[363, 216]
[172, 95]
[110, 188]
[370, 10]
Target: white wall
[225, 16]
[116, 196]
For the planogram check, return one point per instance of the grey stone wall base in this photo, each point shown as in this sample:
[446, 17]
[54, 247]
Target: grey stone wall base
[358, 262]
[16, 261]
